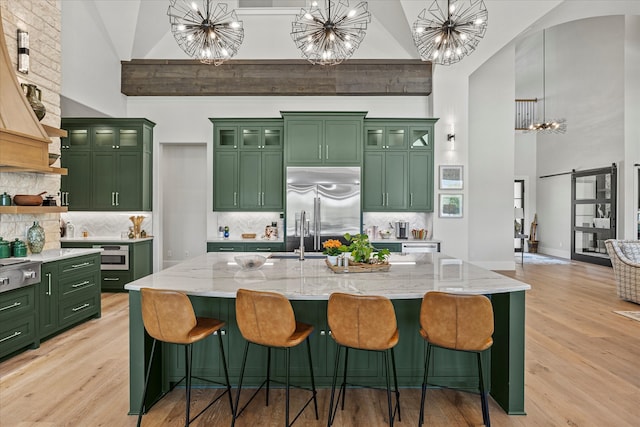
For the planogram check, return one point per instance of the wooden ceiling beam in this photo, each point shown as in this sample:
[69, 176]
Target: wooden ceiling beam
[144, 77]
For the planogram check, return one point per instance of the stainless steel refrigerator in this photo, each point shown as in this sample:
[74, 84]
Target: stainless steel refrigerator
[330, 198]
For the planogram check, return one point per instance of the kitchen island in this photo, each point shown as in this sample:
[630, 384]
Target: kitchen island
[212, 280]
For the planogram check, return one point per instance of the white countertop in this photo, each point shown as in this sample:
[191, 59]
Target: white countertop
[216, 274]
[102, 239]
[394, 240]
[237, 239]
[51, 255]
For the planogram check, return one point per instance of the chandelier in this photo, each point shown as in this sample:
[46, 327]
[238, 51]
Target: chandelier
[446, 36]
[206, 32]
[329, 36]
[551, 125]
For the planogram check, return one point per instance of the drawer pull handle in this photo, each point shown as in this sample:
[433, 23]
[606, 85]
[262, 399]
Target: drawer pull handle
[227, 249]
[15, 334]
[83, 306]
[84, 264]
[77, 285]
[263, 249]
[111, 279]
[15, 304]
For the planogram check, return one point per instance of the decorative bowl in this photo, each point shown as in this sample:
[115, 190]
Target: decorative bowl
[385, 234]
[250, 262]
[52, 158]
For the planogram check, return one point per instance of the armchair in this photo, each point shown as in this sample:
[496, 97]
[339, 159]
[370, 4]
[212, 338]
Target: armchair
[625, 258]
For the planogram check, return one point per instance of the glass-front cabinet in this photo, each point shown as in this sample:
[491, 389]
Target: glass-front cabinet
[593, 213]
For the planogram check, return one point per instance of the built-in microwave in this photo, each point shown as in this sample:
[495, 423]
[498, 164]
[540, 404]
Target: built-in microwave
[114, 257]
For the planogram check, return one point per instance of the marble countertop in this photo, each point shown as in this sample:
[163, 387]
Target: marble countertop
[101, 239]
[51, 255]
[394, 240]
[216, 274]
[238, 239]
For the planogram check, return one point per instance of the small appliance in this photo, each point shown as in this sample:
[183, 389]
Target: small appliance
[402, 230]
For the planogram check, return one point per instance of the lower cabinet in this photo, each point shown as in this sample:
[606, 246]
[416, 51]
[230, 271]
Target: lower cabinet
[365, 368]
[18, 327]
[245, 247]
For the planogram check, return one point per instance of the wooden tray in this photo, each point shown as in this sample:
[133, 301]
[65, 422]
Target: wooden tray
[357, 267]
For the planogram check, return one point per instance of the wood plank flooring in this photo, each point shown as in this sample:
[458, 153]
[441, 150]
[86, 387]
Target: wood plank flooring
[582, 369]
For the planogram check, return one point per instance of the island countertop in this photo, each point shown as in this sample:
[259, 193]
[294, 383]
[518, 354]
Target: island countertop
[216, 274]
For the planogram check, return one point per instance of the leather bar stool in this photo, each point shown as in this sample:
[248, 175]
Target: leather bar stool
[363, 323]
[267, 319]
[168, 316]
[457, 322]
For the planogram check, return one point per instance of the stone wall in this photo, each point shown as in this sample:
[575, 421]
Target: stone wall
[42, 20]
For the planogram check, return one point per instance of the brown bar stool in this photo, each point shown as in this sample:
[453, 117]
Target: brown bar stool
[363, 323]
[457, 322]
[267, 319]
[168, 316]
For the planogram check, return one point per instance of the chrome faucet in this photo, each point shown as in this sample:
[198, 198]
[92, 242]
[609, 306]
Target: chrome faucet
[300, 250]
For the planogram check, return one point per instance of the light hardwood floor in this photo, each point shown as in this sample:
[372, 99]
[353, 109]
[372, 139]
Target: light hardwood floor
[582, 369]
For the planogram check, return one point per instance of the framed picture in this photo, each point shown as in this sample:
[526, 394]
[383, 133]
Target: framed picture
[451, 177]
[450, 206]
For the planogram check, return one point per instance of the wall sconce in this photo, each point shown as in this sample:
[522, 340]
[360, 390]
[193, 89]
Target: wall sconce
[23, 51]
[451, 137]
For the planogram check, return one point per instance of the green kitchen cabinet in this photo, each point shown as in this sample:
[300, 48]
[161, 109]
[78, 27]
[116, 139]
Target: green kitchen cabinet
[385, 181]
[251, 246]
[421, 181]
[260, 179]
[109, 163]
[48, 299]
[381, 135]
[225, 181]
[323, 139]
[18, 314]
[267, 137]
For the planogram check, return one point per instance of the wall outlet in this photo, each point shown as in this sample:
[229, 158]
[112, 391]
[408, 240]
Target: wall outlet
[169, 253]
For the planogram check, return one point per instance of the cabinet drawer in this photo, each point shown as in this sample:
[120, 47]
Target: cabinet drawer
[76, 309]
[69, 266]
[78, 284]
[114, 280]
[225, 247]
[16, 303]
[17, 333]
[264, 247]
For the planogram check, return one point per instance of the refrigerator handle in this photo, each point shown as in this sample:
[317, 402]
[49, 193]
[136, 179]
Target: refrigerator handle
[317, 224]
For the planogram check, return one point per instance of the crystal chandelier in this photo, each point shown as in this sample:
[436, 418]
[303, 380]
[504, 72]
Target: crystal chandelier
[329, 36]
[446, 36]
[546, 126]
[206, 32]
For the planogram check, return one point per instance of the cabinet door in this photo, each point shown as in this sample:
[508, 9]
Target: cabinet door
[129, 138]
[114, 281]
[396, 137]
[104, 180]
[225, 137]
[273, 137]
[78, 139]
[343, 142]
[272, 182]
[305, 142]
[421, 181]
[374, 138]
[373, 181]
[129, 182]
[141, 259]
[76, 186]
[251, 137]
[395, 174]
[48, 299]
[249, 180]
[105, 138]
[421, 137]
[225, 181]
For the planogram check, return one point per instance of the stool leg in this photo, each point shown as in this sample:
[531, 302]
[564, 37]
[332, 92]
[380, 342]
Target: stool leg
[288, 363]
[344, 376]
[146, 382]
[483, 394]
[395, 381]
[268, 373]
[188, 353]
[424, 385]
[333, 387]
[313, 382]
[386, 371]
[244, 363]
[226, 371]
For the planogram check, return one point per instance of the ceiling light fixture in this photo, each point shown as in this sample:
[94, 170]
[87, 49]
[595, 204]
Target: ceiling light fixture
[546, 126]
[209, 32]
[329, 36]
[446, 36]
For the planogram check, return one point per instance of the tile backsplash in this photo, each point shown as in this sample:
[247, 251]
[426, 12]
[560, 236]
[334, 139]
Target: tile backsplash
[384, 221]
[107, 224]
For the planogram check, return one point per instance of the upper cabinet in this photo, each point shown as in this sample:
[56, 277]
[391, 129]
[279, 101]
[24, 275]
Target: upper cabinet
[109, 163]
[398, 165]
[323, 139]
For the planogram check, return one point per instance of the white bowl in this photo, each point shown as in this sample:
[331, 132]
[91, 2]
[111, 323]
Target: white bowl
[386, 235]
[250, 262]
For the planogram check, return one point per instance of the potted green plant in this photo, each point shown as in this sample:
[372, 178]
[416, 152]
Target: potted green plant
[362, 251]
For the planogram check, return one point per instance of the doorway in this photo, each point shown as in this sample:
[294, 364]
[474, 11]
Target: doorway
[518, 221]
[184, 202]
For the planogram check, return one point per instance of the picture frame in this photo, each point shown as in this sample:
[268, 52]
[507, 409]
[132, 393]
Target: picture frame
[450, 206]
[451, 177]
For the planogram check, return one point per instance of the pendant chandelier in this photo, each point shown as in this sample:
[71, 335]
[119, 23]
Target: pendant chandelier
[205, 29]
[446, 36]
[551, 125]
[329, 36]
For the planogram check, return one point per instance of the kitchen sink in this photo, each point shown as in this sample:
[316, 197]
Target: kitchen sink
[316, 255]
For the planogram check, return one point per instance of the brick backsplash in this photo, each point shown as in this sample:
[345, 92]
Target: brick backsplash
[42, 20]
